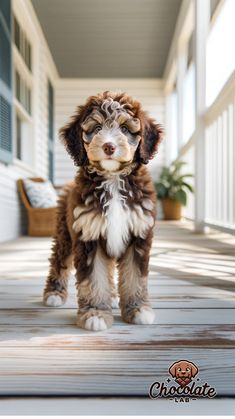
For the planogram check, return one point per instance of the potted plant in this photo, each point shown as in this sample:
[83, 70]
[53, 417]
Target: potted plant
[172, 190]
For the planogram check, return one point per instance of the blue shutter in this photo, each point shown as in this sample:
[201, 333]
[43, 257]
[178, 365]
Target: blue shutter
[51, 130]
[5, 82]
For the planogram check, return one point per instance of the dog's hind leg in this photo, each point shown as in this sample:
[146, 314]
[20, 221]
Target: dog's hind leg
[55, 291]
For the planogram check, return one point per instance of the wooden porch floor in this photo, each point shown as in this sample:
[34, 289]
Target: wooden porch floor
[192, 284]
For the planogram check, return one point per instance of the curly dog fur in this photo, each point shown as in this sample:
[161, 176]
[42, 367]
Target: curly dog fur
[106, 216]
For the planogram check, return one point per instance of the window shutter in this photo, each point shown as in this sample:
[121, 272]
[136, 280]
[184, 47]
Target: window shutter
[51, 130]
[5, 82]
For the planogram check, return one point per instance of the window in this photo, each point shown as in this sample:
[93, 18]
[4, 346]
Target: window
[22, 44]
[220, 61]
[22, 92]
[23, 143]
[23, 96]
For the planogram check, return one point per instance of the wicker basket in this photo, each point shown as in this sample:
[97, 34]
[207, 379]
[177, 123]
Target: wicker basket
[171, 208]
[41, 221]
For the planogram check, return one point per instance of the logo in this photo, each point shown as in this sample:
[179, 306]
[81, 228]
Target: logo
[183, 372]
[183, 385]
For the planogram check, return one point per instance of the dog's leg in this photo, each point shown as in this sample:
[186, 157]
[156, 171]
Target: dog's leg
[94, 292]
[113, 284]
[133, 277]
[55, 291]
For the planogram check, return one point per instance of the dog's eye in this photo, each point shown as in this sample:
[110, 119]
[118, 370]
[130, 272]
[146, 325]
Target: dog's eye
[124, 129]
[187, 369]
[97, 129]
[179, 369]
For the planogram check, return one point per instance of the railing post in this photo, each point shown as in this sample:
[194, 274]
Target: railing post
[202, 16]
[181, 71]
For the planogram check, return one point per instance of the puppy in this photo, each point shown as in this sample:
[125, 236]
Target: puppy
[106, 217]
[183, 372]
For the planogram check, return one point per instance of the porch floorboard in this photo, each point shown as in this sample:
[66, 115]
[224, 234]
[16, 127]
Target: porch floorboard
[192, 284]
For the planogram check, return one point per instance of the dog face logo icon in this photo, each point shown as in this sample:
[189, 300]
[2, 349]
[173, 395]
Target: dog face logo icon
[183, 371]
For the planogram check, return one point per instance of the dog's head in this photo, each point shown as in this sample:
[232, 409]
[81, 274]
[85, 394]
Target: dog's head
[183, 369]
[110, 132]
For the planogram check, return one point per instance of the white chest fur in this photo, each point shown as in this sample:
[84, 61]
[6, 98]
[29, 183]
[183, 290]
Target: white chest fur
[118, 216]
[117, 222]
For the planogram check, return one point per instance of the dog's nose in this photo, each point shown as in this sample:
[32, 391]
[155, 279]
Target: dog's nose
[109, 148]
[183, 372]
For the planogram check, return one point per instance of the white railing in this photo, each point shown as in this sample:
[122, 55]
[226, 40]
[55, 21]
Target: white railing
[210, 152]
[220, 159]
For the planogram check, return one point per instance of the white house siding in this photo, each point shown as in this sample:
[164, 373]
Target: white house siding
[73, 92]
[12, 216]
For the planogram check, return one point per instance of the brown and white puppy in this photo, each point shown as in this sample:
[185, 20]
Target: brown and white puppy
[106, 217]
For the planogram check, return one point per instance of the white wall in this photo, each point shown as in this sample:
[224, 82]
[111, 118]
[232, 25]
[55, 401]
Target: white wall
[12, 218]
[73, 92]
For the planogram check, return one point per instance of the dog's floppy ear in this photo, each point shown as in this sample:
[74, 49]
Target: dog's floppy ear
[194, 370]
[172, 369]
[71, 135]
[152, 134]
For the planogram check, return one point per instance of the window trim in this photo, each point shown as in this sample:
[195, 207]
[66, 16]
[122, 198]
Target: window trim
[19, 108]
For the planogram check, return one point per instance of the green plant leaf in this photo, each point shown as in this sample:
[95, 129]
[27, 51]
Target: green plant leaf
[173, 183]
[161, 190]
[181, 196]
[186, 175]
[186, 185]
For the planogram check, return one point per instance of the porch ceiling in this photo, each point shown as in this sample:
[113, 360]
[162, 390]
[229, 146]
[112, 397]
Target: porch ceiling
[108, 38]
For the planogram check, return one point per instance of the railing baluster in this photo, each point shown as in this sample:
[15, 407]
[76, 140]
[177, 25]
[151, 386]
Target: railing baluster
[224, 167]
[230, 164]
[233, 164]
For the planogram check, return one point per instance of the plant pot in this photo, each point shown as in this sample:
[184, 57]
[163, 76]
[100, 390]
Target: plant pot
[172, 209]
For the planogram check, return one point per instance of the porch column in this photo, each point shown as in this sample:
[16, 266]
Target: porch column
[201, 16]
[181, 71]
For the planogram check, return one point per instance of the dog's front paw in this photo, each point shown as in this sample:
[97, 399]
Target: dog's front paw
[144, 315]
[53, 300]
[95, 320]
[139, 315]
[95, 323]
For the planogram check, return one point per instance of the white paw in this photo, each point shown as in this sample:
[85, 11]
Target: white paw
[95, 323]
[115, 302]
[144, 316]
[54, 301]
